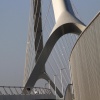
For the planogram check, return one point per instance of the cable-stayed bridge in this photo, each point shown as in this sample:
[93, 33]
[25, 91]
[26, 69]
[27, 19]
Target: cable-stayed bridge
[50, 23]
[56, 53]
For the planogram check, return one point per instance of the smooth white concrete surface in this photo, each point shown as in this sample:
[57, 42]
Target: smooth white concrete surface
[59, 7]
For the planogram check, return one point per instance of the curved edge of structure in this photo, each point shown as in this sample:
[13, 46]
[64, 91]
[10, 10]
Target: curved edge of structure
[64, 26]
[82, 34]
[66, 18]
[68, 93]
[84, 62]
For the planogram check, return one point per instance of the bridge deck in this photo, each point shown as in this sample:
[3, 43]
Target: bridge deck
[16, 93]
[26, 97]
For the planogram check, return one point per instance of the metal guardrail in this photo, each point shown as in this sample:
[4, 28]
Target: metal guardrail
[10, 90]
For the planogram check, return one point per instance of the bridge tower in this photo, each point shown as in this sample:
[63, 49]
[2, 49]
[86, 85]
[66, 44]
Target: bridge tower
[66, 22]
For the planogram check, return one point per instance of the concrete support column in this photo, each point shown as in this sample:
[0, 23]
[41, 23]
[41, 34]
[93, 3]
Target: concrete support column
[59, 6]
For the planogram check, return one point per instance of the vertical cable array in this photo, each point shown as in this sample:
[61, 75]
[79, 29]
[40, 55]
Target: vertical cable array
[59, 56]
[29, 46]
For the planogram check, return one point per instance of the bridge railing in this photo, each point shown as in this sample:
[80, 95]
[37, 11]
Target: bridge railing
[11, 90]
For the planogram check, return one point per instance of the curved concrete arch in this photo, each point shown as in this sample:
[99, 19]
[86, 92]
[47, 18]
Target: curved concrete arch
[65, 24]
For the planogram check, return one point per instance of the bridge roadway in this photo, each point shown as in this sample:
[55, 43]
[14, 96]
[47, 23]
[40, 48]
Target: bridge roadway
[26, 97]
[15, 93]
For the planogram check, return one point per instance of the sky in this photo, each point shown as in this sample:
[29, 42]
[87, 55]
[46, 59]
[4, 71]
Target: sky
[14, 17]
[87, 9]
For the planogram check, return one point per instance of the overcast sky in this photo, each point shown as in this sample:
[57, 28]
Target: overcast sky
[14, 15]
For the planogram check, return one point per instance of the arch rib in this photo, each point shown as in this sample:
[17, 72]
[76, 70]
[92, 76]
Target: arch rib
[65, 24]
